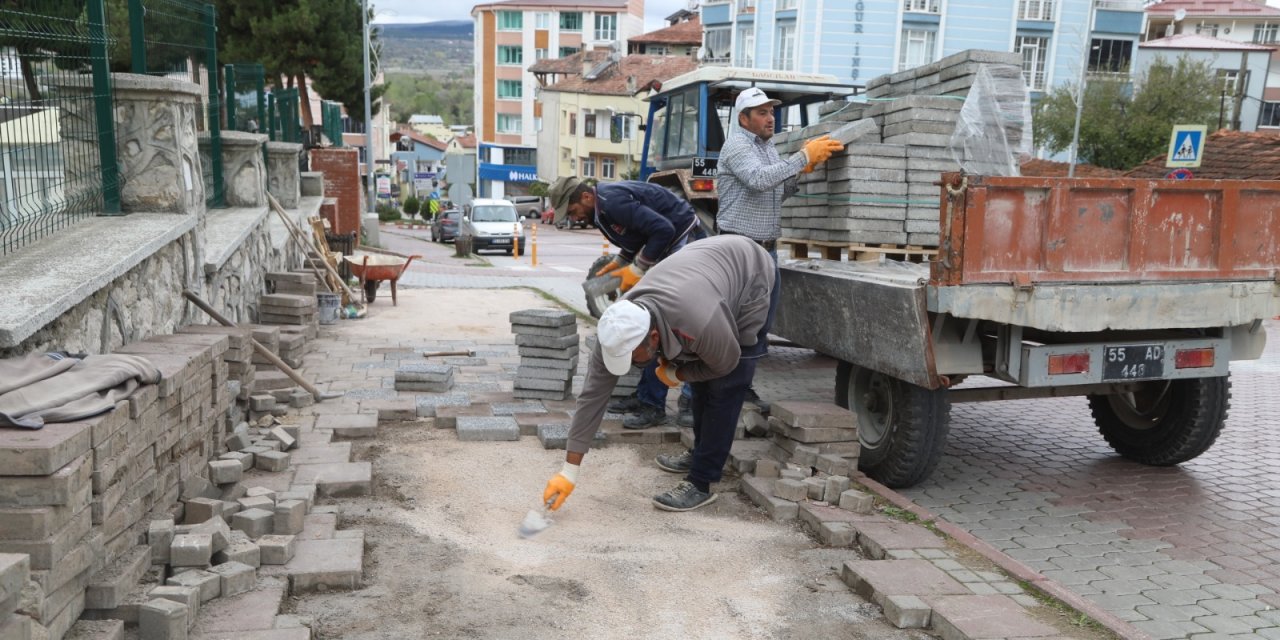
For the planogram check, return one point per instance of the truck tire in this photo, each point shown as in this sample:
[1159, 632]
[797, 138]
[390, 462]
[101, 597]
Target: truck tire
[902, 427]
[1167, 422]
[598, 304]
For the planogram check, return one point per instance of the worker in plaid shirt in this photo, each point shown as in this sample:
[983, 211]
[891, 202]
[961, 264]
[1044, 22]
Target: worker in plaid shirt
[752, 181]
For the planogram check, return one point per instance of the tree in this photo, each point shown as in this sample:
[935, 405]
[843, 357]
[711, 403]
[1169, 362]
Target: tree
[1122, 126]
[411, 206]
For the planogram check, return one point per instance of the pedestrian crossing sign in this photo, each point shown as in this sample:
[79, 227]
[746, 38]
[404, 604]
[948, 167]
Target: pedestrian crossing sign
[1186, 145]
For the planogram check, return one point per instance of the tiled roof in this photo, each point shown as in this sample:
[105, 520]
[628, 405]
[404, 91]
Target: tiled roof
[419, 138]
[425, 119]
[1050, 169]
[1234, 155]
[1201, 42]
[466, 142]
[688, 32]
[1217, 8]
[567, 64]
[613, 81]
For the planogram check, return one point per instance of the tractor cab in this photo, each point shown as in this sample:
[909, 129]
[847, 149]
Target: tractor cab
[689, 120]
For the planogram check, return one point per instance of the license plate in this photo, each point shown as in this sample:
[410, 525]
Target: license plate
[502, 241]
[1136, 362]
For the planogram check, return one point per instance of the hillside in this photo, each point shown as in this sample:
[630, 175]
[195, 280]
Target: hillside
[431, 48]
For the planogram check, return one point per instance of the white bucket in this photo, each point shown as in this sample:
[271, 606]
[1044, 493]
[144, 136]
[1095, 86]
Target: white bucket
[329, 306]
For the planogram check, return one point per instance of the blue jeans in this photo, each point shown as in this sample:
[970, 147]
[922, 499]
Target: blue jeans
[652, 391]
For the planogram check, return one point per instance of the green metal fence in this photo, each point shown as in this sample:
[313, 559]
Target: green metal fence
[180, 38]
[284, 115]
[57, 137]
[331, 114]
[246, 97]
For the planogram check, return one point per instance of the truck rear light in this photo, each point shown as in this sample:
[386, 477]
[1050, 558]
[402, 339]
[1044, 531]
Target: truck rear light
[702, 184]
[1067, 363]
[1193, 358]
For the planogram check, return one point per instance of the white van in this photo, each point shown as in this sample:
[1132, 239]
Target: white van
[493, 224]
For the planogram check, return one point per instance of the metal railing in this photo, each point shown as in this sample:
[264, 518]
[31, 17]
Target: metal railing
[246, 97]
[57, 135]
[284, 121]
[331, 119]
[180, 38]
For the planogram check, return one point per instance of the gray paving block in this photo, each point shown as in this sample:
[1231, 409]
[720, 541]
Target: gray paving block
[546, 332]
[225, 471]
[336, 480]
[535, 394]
[423, 372]
[815, 488]
[186, 596]
[331, 564]
[266, 502]
[287, 441]
[543, 352]
[833, 487]
[857, 501]
[540, 373]
[41, 452]
[189, 550]
[277, 549]
[570, 363]
[876, 580]
[160, 536]
[487, 428]
[542, 317]
[59, 488]
[237, 577]
[240, 549]
[427, 404]
[907, 612]
[272, 461]
[161, 619]
[82, 630]
[538, 384]
[209, 584]
[992, 616]
[793, 490]
[879, 538]
[760, 491]
[253, 522]
[217, 530]
[556, 436]
[545, 342]
[424, 387]
[289, 517]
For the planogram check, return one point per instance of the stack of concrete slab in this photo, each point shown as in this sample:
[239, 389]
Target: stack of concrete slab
[881, 189]
[801, 432]
[290, 309]
[421, 376]
[269, 337]
[75, 497]
[547, 341]
[296, 283]
[238, 356]
[293, 346]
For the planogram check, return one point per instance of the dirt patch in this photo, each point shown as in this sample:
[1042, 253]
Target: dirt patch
[444, 559]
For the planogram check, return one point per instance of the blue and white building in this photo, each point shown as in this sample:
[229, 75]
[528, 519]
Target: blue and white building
[856, 40]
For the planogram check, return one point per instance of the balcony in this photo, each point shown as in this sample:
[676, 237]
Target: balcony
[1119, 5]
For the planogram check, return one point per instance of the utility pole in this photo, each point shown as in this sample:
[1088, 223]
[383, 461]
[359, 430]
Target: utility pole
[1084, 69]
[1242, 78]
[368, 111]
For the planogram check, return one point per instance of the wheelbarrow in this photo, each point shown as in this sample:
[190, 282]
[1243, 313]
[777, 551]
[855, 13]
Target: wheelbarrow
[372, 269]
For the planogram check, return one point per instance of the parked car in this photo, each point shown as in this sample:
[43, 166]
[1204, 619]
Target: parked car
[494, 224]
[445, 227]
[530, 207]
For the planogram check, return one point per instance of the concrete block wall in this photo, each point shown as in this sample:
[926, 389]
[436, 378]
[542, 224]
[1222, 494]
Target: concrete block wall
[341, 169]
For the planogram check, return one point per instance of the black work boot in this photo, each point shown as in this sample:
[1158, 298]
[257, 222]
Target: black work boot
[647, 416]
[684, 497]
[685, 417]
[629, 404]
[754, 398]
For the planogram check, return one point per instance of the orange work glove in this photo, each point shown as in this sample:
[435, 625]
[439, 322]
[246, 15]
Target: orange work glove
[819, 149]
[560, 486]
[616, 263]
[666, 372]
[630, 276]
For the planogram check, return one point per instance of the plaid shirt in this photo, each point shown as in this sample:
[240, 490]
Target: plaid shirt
[752, 181]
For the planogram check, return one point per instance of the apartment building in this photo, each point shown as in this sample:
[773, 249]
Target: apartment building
[861, 39]
[593, 110]
[510, 37]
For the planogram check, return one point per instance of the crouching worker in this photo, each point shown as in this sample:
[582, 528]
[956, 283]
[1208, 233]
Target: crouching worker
[702, 314]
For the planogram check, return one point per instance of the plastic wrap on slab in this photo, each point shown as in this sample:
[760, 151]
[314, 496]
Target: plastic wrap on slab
[993, 133]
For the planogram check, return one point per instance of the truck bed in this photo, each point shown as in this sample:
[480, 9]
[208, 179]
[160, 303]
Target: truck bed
[1027, 231]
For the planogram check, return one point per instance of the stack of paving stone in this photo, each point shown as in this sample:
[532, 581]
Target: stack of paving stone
[290, 309]
[238, 356]
[292, 282]
[75, 497]
[424, 377]
[547, 341]
[293, 345]
[804, 432]
[880, 189]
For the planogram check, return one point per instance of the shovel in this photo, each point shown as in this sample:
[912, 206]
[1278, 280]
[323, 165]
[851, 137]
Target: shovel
[601, 286]
[536, 521]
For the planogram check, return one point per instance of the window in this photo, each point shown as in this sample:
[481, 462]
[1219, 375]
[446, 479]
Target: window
[510, 55]
[606, 26]
[785, 5]
[1110, 56]
[1034, 51]
[784, 58]
[589, 125]
[1265, 33]
[1270, 115]
[1035, 9]
[573, 123]
[746, 47]
[588, 167]
[1228, 79]
[571, 21]
[539, 54]
[1207, 29]
[608, 168]
[510, 89]
[528, 157]
[746, 6]
[716, 43]
[917, 48]
[542, 20]
[656, 50]
[921, 6]
[508, 123]
[510, 20]
[565, 52]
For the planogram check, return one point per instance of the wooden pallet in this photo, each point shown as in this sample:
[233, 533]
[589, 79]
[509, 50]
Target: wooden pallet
[855, 252]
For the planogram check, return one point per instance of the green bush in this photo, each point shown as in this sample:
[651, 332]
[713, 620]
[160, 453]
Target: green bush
[412, 206]
[388, 213]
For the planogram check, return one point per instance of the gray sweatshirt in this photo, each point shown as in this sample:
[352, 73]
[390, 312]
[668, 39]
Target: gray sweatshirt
[709, 300]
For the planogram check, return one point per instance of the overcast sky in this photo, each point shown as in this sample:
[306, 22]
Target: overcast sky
[419, 11]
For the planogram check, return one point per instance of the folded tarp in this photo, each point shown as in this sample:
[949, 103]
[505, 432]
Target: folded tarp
[55, 387]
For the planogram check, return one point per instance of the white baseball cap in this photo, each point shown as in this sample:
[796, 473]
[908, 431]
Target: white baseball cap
[753, 97]
[621, 329]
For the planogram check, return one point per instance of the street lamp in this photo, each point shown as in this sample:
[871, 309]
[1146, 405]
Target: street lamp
[625, 122]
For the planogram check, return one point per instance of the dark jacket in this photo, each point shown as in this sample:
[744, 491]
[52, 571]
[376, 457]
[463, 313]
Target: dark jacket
[642, 218]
